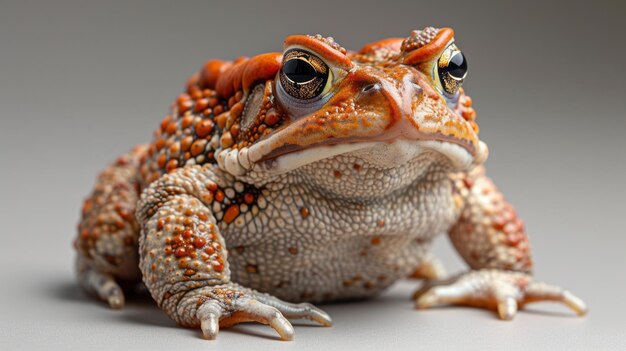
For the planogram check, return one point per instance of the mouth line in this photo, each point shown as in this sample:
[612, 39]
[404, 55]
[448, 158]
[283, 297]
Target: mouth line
[287, 149]
[290, 157]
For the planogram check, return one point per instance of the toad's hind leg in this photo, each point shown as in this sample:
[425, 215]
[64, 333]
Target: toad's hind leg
[108, 232]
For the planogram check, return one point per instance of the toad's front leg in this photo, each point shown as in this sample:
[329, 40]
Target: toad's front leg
[184, 263]
[492, 241]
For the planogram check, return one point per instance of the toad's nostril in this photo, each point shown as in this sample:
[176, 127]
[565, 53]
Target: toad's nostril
[370, 87]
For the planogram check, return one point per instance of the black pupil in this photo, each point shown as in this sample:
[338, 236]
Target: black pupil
[457, 67]
[299, 71]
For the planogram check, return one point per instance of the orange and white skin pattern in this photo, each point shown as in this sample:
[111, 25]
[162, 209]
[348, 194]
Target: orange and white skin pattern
[310, 175]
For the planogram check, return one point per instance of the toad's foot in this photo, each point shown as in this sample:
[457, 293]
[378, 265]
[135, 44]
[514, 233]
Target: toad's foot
[232, 304]
[503, 291]
[100, 284]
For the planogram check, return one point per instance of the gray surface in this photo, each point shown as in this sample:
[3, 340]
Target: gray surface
[80, 84]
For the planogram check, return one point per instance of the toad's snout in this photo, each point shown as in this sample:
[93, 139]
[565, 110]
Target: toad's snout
[416, 111]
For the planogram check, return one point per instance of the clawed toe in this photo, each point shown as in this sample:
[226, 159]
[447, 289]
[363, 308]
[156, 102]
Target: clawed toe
[297, 311]
[101, 285]
[116, 300]
[317, 315]
[538, 291]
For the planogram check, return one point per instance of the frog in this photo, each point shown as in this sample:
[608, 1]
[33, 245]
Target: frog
[307, 176]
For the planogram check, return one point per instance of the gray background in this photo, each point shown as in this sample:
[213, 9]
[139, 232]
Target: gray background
[81, 83]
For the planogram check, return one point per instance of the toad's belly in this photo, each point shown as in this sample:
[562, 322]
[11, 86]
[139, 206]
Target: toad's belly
[349, 269]
[305, 245]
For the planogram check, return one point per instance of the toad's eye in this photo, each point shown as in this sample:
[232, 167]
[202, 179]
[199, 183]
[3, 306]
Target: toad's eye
[304, 76]
[452, 69]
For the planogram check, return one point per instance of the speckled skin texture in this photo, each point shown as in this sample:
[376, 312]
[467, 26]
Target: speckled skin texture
[249, 203]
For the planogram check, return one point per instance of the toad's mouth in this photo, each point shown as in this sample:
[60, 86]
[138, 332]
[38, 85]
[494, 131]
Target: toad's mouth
[381, 153]
[313, 138]
[393, 138]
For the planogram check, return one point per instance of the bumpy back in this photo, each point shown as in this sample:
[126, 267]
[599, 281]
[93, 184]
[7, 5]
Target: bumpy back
[205, 119]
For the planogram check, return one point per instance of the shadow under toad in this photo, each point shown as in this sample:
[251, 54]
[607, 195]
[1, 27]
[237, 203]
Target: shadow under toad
[139, 307]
